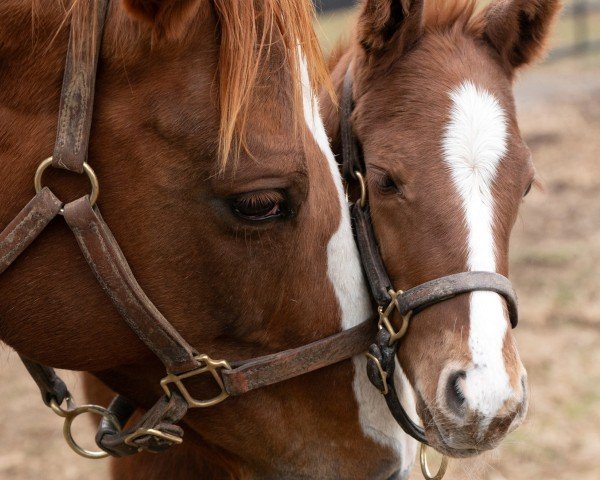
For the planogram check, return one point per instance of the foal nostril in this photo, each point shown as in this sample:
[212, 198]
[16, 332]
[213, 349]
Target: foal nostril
[455, 395]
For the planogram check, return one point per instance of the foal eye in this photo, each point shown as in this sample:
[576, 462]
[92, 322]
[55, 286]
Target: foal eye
[386, 185]
[528, 189]
[260, 206]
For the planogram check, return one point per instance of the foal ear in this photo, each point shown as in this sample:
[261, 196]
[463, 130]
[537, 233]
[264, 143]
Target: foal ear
[519, 29]
[390, 23]
[170, 18]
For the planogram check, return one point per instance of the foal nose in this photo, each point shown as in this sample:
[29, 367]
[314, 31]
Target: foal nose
[464, 396]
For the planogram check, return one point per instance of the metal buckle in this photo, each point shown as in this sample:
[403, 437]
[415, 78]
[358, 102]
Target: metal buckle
[142, 432]
[71, 413]
[384, 317]
[382, 373]
[210, 365]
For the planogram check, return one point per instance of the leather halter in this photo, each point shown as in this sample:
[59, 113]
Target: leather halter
[157, 429]
[382, 353]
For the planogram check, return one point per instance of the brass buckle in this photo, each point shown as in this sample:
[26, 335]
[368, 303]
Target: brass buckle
[382, 373]
[142, 432]
[384, 318]
[210, 366]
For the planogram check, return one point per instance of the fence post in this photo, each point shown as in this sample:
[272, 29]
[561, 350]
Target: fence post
[580, 21]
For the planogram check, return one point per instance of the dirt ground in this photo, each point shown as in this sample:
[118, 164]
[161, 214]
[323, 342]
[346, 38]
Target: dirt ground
[555, 256]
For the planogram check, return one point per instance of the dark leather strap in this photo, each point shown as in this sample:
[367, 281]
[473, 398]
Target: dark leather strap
[429, 293]
[386, 355]
[104, 256]
[377, 277]
[26, 226]
[162, 417]
[435, 291]
[50, 385]
[351, 157]
[277, 367]
[79, 81]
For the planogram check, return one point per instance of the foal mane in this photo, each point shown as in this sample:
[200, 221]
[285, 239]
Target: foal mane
[438, 16]
[442, 15]
[247, 30]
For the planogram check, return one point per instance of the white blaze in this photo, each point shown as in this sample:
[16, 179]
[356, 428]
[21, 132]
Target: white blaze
[345, 272]
[474, 144]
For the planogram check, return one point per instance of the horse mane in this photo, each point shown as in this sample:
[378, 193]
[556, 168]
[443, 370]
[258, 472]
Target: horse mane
[247, 30]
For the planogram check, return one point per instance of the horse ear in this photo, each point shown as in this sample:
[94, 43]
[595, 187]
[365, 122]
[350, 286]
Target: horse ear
[170, 18]
[396, 23]
[519, 29]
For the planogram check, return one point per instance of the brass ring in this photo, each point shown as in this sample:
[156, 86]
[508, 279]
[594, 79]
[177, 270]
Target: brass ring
[72, 415]
[425, 465]
[363, 189]
[89, 171]
[61, 412]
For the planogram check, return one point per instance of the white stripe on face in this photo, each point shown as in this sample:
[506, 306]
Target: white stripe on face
[474, 143]
[345, 273]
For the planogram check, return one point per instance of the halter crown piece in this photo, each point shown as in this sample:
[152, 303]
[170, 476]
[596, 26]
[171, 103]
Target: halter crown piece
[381, 357]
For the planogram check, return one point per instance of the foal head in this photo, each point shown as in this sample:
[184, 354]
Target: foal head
[446, 172]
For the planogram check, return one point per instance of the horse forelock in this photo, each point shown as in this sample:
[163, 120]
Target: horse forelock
[246, 31]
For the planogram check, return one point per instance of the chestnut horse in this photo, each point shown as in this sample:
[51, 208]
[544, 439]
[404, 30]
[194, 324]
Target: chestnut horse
[220, 186]
[446, 169]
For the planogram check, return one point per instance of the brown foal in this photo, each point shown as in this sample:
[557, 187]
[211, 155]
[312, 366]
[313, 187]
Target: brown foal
[446, 169]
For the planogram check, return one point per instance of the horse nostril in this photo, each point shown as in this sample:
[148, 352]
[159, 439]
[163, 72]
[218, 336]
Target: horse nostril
[454, 392]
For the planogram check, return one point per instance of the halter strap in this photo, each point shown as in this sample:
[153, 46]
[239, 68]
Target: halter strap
[352, 161]
[79, 84]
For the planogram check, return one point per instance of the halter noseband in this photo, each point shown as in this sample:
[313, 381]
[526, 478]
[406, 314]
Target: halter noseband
[382, 353]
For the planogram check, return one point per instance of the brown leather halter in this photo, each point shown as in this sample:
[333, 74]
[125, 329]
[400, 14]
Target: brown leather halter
[382, 353]
[157, 429]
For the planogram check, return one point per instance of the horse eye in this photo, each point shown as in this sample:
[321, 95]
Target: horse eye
[260, 206]
[386, 184]
[528, 189]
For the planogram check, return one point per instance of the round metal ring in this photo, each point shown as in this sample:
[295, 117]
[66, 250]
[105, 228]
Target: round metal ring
[425, 465]
[89, 171]
[363, 188]
[71, 415]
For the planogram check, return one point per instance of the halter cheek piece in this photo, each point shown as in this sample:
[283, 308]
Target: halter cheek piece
[381, 355]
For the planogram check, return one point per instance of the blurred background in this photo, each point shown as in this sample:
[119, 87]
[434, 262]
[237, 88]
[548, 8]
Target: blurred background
[555, 259]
